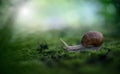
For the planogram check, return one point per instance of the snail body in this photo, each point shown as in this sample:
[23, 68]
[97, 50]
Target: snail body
[90, 41]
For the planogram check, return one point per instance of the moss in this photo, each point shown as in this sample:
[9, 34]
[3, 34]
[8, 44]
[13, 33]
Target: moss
[45, 54]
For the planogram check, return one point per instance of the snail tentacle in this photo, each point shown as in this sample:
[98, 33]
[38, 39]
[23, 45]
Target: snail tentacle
[64, 42]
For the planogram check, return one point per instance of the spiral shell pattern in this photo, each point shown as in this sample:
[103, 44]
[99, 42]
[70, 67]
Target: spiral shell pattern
[92, 38]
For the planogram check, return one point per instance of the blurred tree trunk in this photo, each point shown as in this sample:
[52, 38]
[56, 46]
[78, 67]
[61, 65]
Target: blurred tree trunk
[8, 10]
[112, 21]
[117, 16]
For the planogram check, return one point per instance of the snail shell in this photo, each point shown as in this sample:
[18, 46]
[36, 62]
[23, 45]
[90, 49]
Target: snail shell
[92, 38]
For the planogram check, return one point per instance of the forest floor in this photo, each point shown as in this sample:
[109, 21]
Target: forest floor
[44, 54]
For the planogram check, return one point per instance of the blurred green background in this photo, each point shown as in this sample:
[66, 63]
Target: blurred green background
[30, 32]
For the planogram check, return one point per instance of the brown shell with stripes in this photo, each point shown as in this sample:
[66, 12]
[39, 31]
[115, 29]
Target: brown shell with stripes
[92, 38]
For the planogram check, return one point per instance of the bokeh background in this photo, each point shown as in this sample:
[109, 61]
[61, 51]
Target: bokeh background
[30, 32]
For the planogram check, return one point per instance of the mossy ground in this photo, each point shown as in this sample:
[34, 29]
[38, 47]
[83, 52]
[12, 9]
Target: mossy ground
[44, 54]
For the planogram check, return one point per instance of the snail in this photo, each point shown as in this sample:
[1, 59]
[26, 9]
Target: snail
[92, 40]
